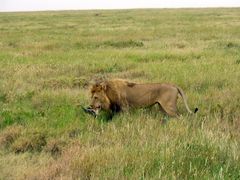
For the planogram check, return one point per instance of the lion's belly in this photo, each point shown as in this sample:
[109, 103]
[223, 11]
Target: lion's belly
[141, 97]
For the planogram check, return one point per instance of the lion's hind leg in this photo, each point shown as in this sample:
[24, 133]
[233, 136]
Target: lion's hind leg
[169, 108]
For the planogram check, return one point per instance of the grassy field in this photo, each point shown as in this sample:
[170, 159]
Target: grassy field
[47, 60]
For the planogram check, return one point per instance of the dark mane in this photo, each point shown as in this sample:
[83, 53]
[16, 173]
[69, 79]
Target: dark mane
[130, 84]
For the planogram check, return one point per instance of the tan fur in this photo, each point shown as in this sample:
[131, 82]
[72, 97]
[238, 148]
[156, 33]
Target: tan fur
[117, 94]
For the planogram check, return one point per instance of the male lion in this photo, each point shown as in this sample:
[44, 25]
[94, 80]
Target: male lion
[118, 95]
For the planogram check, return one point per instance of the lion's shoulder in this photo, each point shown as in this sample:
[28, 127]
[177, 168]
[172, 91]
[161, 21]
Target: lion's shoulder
[116, 89]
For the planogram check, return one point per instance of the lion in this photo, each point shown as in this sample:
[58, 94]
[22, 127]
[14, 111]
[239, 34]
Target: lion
[117, 95]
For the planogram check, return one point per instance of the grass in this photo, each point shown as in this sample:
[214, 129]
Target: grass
[49, 59]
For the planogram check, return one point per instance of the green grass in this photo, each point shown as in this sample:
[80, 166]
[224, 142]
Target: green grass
[47, 60]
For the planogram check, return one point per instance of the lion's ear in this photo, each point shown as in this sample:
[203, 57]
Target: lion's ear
[103, 86]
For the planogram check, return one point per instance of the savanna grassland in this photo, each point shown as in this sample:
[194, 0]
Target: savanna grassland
[47, 60]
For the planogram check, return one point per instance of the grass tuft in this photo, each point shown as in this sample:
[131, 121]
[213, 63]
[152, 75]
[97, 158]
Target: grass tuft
[9, 135]
[111, 44]
[33, 142]
[54, 147]
[238, 61]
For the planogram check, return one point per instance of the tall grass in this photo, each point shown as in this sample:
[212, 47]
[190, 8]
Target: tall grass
[48, 60]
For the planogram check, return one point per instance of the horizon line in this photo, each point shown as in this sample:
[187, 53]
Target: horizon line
[112, 9]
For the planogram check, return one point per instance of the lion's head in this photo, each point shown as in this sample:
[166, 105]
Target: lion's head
[99, 98]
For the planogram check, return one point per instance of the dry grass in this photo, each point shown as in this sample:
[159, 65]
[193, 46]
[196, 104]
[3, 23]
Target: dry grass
[9, 135]
[48, 60]
[33, 142]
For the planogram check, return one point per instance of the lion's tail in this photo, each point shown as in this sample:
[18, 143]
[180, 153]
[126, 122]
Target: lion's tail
[185, 100]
